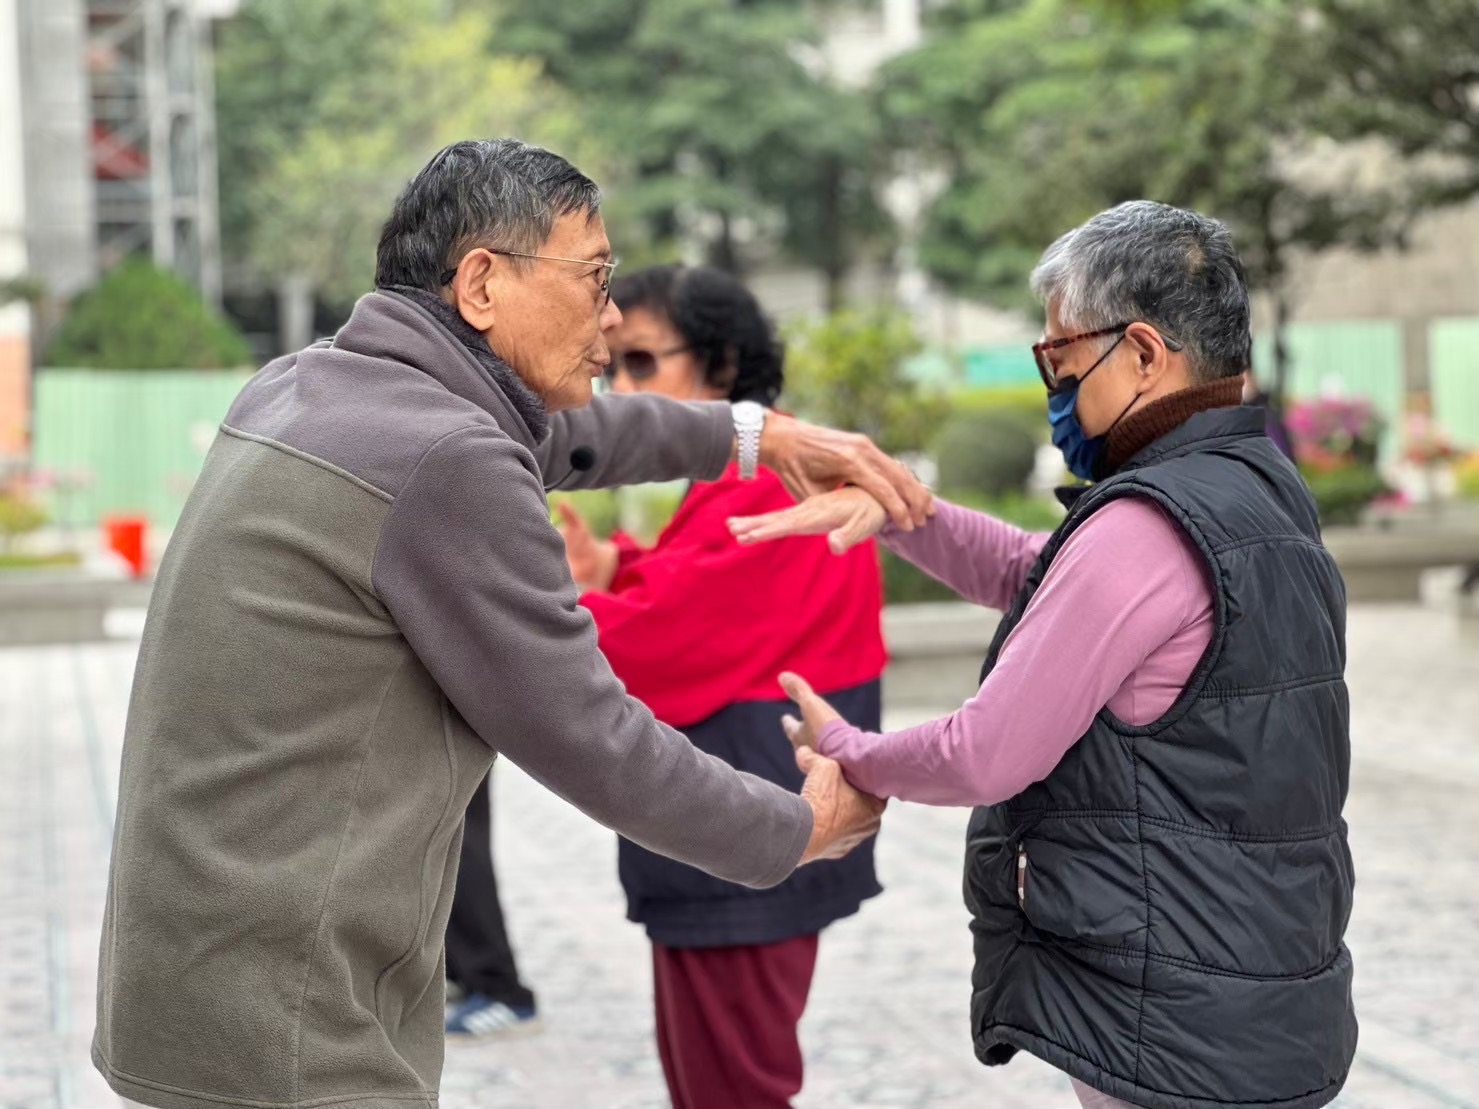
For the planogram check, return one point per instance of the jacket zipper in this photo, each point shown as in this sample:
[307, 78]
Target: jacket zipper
[1021, 876]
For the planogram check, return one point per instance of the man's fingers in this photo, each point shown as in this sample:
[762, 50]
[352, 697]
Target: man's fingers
[893, 486]
[921, 500]
[874, 479]
[807, 759]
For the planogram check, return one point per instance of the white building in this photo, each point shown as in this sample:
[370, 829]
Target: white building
[107, 148]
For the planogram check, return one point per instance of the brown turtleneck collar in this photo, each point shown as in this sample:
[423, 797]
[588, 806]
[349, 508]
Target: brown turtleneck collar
[1160, 417]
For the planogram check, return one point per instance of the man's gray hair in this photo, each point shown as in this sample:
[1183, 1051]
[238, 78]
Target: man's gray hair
[1168, 267]
[496, 193]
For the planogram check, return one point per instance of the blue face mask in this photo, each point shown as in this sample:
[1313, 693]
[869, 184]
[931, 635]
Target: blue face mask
[1080, 453]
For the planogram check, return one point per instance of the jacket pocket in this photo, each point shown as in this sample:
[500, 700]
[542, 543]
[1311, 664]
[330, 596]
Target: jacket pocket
[1078, 891]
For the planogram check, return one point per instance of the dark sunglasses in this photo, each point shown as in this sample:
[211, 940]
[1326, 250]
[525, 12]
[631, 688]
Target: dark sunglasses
[638, 364]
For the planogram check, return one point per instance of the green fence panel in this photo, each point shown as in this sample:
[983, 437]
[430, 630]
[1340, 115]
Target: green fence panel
[1453, 363]
[932, 368]
[1000, 366]
[1350, 358]
[126, 441]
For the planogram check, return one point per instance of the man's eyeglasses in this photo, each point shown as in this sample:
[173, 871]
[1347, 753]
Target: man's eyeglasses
[639, 365]
[607, 269]
[1049, 373]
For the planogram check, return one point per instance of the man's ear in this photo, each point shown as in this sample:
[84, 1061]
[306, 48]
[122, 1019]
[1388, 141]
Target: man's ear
[473, 289]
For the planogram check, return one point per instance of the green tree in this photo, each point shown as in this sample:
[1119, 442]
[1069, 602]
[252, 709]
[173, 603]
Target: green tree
[1405, 73]
[327, 107]
[141, 317]
[1044, 112]
[729, 131]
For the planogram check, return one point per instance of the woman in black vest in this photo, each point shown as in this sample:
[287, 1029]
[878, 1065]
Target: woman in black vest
[1157, 867]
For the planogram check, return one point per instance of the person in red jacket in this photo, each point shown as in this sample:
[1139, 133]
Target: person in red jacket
[699, 627]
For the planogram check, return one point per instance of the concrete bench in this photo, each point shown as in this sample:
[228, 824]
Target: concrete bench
[58, 607]
[1389, 564]
[936, 651]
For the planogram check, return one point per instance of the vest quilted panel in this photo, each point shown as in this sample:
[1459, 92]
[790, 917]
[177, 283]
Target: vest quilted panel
[1162, 916]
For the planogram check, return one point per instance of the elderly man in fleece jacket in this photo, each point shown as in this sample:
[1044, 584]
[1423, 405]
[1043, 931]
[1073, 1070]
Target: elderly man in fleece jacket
[364, 600]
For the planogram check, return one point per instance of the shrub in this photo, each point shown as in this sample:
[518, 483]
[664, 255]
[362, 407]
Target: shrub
[1466, 477]
[847, 371]
[1027, 404]
[987, 453]
[905, 584]
[140, 317]
[1026, 512]
[19, 516]
[1343, 492]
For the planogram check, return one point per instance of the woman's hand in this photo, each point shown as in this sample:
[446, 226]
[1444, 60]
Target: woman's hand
[811, 460]
[845, 516]
[592, 561]
[842, 816]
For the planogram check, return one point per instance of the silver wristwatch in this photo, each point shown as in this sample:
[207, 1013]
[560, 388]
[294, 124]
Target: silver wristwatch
[749, 421]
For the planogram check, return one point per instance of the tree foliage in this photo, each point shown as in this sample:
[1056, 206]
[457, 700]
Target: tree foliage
[1404, 73]
[329, 106]
[730, 130]
[141, 317]
[1045, 112]
[848, 370]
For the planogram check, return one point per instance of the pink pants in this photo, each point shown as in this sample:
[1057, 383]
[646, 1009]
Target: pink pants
[1090, 1098]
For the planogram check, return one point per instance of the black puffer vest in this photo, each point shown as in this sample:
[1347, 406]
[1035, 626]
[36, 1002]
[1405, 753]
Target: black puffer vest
[1185, 886]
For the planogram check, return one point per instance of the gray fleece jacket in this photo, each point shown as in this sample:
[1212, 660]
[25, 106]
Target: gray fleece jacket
[363, 601]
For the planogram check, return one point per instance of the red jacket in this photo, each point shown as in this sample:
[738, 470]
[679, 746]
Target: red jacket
[699, 622]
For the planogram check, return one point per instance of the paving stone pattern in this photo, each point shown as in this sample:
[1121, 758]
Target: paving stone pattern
[887, 1022]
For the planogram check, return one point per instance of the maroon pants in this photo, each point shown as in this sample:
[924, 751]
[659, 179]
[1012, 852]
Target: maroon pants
[726, 1022]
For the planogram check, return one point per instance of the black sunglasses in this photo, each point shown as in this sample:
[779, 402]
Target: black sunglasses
[638, 364]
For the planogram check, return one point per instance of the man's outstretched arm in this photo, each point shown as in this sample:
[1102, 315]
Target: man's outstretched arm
[626, 440]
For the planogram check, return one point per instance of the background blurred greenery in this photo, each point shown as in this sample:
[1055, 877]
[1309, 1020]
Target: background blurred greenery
[723, 131]
[718, 126]
[140, 316]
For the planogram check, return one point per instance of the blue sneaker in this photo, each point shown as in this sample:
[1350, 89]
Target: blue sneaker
[482, 1016]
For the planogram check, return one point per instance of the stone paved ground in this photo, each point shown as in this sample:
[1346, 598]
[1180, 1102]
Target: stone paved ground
[886, 1025]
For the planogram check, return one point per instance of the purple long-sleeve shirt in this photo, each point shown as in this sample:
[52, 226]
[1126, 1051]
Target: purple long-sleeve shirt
[1120, 620]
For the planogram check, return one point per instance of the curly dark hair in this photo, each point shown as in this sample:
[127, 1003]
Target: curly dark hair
[720, 321]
